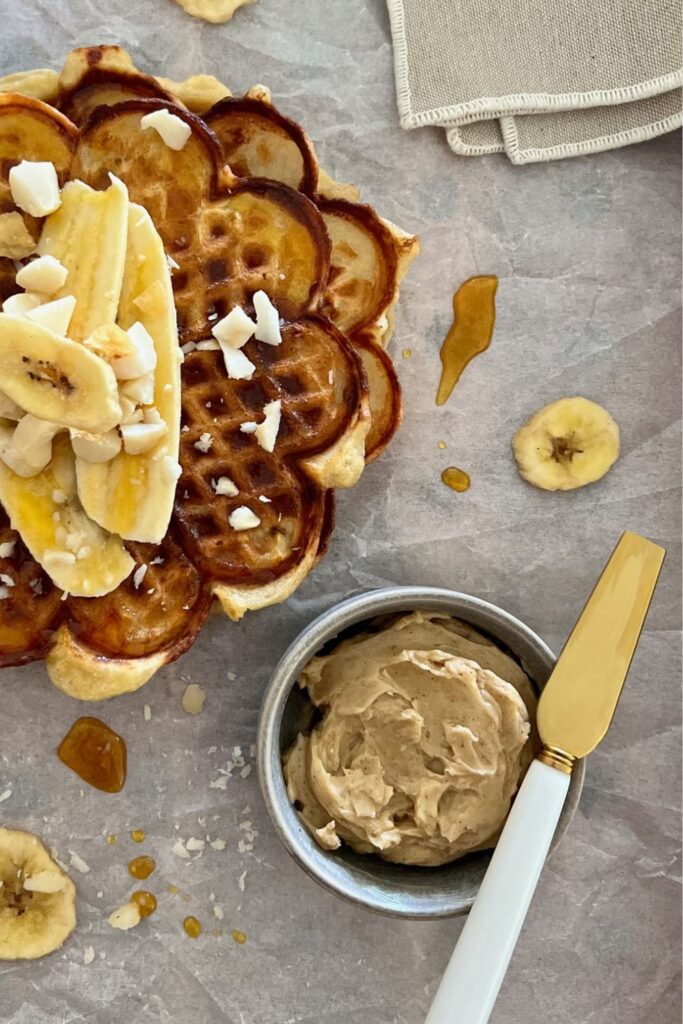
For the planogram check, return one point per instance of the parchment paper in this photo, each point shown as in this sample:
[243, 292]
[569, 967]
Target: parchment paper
[588, 257]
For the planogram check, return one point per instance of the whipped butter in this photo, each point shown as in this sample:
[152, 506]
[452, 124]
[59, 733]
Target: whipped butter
[422, 744]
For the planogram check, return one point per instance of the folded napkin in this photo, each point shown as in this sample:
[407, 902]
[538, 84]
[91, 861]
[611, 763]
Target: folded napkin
[539, 79]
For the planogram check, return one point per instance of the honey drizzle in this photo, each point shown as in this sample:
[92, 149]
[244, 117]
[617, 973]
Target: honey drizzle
[457, 479]
[146, 902]
[192, 927]
[137, 835]
[474, 317]
[141, 867]
[96, 753]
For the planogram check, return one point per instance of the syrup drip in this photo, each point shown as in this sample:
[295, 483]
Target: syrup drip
[239, 937]
[456, 479]
[146, 901]
[192, 927]
[96, 753]
[474, 317]
[141, 867]
[137, 835]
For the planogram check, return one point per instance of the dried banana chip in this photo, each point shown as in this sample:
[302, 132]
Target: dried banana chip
[216, 11]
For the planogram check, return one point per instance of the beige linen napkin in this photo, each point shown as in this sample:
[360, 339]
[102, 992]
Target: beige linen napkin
[539, 79]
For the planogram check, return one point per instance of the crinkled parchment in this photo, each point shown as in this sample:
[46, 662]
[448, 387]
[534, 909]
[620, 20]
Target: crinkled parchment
[587, 252]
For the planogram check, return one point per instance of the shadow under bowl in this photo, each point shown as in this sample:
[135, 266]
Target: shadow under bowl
[411, 892]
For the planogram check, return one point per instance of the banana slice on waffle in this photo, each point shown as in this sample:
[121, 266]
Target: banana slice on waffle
[87, 234]
[132, 494]
[45, 509]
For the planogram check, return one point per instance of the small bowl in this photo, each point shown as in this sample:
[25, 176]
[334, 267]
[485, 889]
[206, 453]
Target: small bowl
[363, 879]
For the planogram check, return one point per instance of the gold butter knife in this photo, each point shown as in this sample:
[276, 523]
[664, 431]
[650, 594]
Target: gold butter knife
[574, 713]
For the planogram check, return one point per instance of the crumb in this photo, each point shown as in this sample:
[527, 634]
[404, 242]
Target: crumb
[193, 699]
[179, 849]
[88, 955]
[139, 575]
[204, 443]
[78, 863]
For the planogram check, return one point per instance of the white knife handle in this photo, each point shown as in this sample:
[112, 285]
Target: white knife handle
[476, 970]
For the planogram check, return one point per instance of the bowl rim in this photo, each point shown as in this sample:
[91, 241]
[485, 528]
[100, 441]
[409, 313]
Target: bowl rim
[316, 862]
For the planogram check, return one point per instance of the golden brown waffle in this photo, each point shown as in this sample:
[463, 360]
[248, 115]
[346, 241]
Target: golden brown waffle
[332, 268]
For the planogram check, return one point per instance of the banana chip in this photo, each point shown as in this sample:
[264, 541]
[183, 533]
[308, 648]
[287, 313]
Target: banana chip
[37, 898]
[567, 444]
[216, 11]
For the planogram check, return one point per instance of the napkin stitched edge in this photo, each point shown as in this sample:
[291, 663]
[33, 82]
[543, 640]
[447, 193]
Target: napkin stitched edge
[517, 155]
[494, 106]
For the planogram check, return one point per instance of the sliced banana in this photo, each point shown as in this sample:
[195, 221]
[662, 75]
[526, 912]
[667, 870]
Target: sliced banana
[78, 556]
[87, 234]
[56, 379]
[567, 444]
[132, 495]
[37, 898]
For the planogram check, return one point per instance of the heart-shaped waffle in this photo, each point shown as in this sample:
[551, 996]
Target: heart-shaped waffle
[242, 207]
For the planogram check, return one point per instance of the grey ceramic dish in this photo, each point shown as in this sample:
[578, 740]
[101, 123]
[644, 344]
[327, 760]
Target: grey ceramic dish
[369, 881]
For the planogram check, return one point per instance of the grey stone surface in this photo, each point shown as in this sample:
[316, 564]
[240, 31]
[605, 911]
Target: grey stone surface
[587, 252]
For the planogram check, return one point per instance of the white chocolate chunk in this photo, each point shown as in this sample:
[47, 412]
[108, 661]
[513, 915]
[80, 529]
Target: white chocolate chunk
[55, 315]
[235, 329]
[140, 390]
[267, 320]
[46, 275]
[139, 438]
[237, 366]
[144, 358]
[173, 130]
[224, 486]
[125, 917]
[34, 187]
[204, 443]
[243, 518]
[30, 447]
[21, 303]
[95, 447]
[266, 432]
[130, 413]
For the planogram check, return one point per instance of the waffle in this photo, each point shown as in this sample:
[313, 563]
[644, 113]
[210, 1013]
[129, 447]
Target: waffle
[242, 206]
